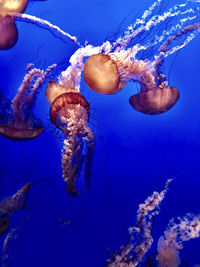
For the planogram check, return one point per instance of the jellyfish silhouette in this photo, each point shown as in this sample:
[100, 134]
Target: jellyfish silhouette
[10, 205]
[17, 122]
[70, 112]
[129, 59]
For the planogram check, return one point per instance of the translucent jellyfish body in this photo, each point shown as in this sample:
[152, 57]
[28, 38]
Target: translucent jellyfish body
[70, 112]
[8, 29]
[17, 122]
[10, 205]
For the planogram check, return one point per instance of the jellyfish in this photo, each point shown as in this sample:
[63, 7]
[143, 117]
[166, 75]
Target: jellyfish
[70, 113]
[17, 121]
[110, 66]
[8, 29]
[12, 204]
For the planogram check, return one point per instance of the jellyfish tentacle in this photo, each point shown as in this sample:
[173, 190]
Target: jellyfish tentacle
[17, 201]
[159, 38]
[89, 153]
[193, 28]
[132, 32]
[131, 28]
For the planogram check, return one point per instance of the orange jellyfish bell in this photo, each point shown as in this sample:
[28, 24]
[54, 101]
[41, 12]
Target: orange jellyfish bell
[9, 6]
[8, 32]
[155, 101]
[27, 130]
[64, 102]
[101, 74]
[53, 90]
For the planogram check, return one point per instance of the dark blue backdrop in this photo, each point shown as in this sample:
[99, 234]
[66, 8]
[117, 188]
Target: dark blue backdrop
[135, 153]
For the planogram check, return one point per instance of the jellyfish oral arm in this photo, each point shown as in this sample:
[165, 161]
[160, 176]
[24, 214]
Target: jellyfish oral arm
[21, 100]
[133, 30]
[183, 229]
[193, 29]
[76, 126]
[22, 91]
[71, 77]
[140, 239]
[140, 71]
[46, 23]
[39, 81]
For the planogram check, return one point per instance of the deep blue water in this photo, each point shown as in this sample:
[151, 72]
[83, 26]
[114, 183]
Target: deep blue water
[135, 153]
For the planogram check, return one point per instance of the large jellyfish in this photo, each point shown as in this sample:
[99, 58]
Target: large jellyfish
[10, 205]
[70, 112]
[17, 122]
[111, 65]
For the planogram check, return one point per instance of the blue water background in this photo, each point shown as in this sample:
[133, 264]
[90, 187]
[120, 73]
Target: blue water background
[135, 153]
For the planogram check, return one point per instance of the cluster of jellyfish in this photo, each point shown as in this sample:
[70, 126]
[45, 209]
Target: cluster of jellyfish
[107, 69]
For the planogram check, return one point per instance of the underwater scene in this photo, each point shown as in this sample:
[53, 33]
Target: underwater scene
[99, 133]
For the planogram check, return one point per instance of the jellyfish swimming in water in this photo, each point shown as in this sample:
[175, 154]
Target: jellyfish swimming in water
[12, 204]
[130, 58]
[17, 121]
[70, 112]
[8, 29]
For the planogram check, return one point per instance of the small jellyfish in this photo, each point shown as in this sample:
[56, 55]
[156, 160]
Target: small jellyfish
[17, 122]
[10, 205]
[8, 29]
[70, 112]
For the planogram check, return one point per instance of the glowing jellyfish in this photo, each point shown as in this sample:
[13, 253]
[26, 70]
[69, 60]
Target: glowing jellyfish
[111, 65]
[17, 122]
[70, 112]
[10, 205]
